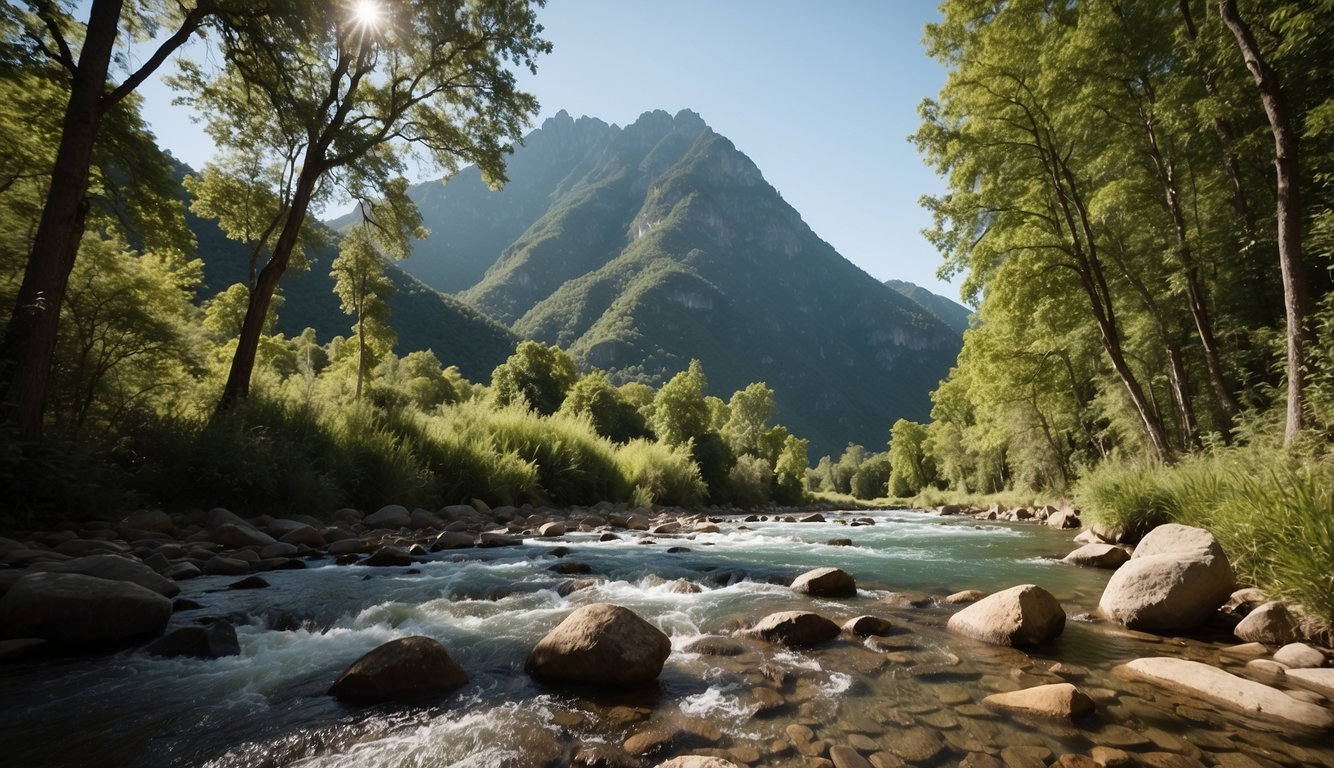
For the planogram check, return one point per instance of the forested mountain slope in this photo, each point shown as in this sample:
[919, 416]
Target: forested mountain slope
[649, 245]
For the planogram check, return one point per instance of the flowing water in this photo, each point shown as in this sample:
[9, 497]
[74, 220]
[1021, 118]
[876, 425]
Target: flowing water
[913, 697]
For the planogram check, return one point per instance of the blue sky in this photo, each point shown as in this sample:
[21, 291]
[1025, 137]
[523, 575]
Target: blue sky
[822, 96]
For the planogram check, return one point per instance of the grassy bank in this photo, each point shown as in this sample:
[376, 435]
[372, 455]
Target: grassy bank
[1272, 511]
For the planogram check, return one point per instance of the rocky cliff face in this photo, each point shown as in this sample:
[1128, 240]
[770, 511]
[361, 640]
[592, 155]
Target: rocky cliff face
[639, 248]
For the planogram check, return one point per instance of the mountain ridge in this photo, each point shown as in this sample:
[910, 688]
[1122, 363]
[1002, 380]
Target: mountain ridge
[661, 242]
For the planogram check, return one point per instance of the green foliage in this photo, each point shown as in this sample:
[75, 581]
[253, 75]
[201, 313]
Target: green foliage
[748, 412]
[611, 415]
[536, 376]
[749, 481]
[871, 480]
[361, 285]
[679, 411]
[911, 469]
[790, 470]
[660, 474]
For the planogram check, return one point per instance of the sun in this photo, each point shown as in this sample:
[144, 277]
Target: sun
[367, 13]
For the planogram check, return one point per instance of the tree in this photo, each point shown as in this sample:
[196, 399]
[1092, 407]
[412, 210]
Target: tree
[790, 470]
[536, 375]
[679, 411]
[45, 30]
[334, 98]
[1289, 211]
[748, 413]
[612, 416]
[364, 289]
[910, 469]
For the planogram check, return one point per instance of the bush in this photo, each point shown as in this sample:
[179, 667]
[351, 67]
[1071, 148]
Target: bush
[749, 481]
[660, 474]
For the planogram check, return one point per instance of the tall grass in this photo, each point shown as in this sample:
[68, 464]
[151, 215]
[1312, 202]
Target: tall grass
[1272, 511]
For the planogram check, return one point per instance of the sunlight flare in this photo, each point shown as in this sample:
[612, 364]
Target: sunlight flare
[367, 13]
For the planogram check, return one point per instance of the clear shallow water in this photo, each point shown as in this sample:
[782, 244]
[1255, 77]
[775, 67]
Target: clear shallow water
[918, 689]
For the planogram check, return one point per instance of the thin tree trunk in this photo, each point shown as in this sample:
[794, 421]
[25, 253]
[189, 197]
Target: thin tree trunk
[1194, 291]
[30, 339]
[1289, 213]
[266, 284]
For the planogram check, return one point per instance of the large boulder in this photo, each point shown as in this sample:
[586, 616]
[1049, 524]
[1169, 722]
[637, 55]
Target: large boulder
[116, 568]
[80, 611]
[406, 668]
[1058, 700]
[232, 535]
[602, 644]
[1213, 685]
[1098, 555]
[795, 629]
[1019, 616]
[1176, 580]
[825, 582]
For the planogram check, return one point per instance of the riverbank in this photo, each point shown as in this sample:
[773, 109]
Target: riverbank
[915, 696]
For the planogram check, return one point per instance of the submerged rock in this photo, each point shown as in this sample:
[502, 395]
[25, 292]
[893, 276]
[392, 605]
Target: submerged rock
[697, 761]
[1227, 690]
[1176, 579]
[1058, 700]
[1020, 616]
[211, 642]
[400, 669]
[825, 582]
[601, 644]
[82, 611]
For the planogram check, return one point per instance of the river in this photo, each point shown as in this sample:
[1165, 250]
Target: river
[913, 697]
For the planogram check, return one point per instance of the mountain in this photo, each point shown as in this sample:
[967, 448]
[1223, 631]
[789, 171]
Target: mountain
[639, 248]
[950, 312]
[423, 317]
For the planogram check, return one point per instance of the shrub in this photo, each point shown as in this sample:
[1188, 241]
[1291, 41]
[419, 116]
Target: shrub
[749, 481]
[660, 474]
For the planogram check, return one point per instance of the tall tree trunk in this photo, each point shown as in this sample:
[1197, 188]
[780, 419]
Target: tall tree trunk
[1199, 312]
[30, 339]
[266, 284]
[1289, 213]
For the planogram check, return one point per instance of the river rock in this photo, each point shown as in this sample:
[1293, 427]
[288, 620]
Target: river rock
[602, 644]
[1176, 579]
[388, 557]
[232, 535]
[1271, 623]
[551, 529]
[1098, 555]
[116, 568]
[1020, 616]
[1058, 700]
[400, 669]
[1065, 518]
[153, 520]
[867, 626]
[963, 597]
[212, 642]
[303, 535]
[220, 565]
[698, 761]
[795, 629]
[825, 582]
[1299, 656]
[389, 516]
[1227, 690]
[843, 756]
[82, 611]
[453, 540]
